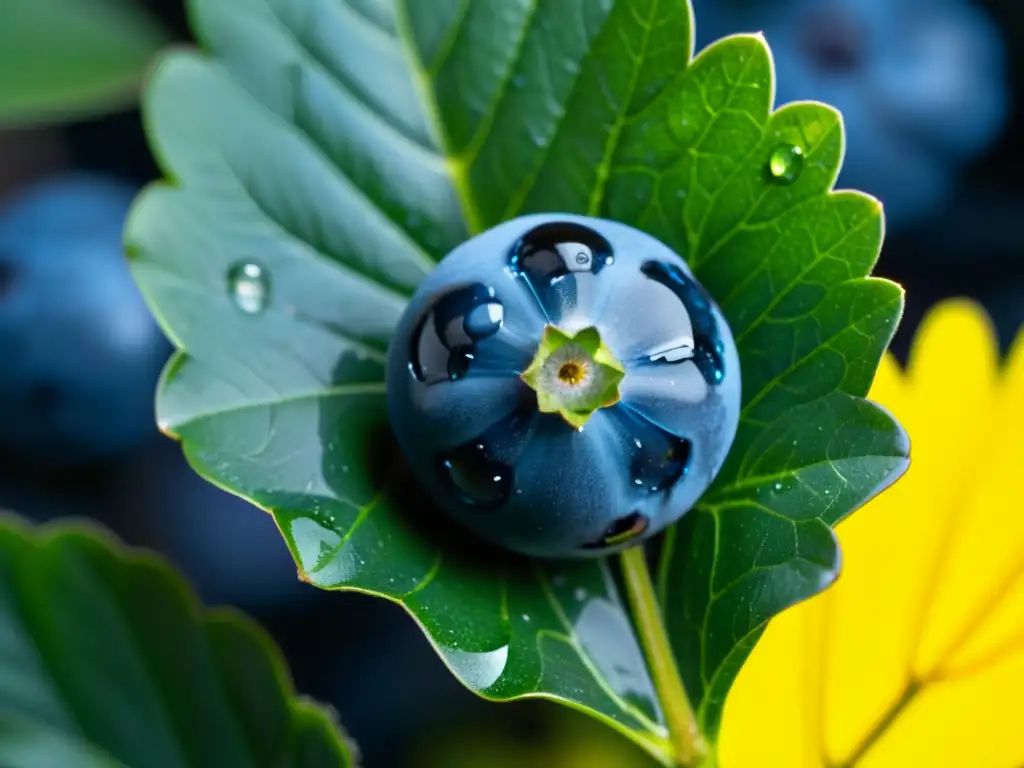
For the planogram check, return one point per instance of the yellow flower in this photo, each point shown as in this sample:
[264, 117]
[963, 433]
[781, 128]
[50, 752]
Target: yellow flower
[916, 656]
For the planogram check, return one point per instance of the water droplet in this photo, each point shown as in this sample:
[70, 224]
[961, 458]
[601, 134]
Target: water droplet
[778, 486]
[785, 163]
[484, 321]
[622, 530]
[660, 466]
[443, 347]
[526, 617]
[475, 477]
[518, 81]
[673, 355]
[249, 287]
[708, 351]
[580, 594]
[478, 670]
[658, 459]
[550, 257]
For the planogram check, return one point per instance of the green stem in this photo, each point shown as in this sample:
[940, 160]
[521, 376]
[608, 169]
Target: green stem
[682, 725]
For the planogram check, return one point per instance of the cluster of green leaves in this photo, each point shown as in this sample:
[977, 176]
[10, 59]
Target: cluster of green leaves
[336, 149]
[107, 661]
[64, 59]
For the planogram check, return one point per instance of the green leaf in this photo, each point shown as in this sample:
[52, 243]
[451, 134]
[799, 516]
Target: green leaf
[107, 661]
[787, 260]
[324, 155]
[68, 59]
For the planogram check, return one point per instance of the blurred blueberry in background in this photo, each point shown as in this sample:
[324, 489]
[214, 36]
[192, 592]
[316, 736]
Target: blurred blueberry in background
[231, 551]
[81, 353]
[921, 84]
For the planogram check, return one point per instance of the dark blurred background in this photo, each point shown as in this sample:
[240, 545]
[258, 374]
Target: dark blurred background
[930, 90]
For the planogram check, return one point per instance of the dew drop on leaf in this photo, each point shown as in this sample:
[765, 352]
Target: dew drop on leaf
[785, 163]
[249, 287]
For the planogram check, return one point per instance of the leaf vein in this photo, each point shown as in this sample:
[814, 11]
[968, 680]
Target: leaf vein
[615, 133]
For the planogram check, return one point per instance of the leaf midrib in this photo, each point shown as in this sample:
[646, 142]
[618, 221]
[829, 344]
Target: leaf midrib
[460, 163]
[604, 168]
[422, 80]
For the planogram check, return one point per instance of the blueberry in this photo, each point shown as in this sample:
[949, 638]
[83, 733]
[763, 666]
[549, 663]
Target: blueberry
[229, 551]
[921, 84]
[81, 353]
[563, 386]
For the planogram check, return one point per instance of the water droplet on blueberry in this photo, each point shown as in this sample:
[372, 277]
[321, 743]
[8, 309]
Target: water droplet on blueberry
[548, 256]
[785, 163]
[708, 351]
[249, 287]
[484, 320]
[444, 345]
[659, 468]
[475, 477]
[657, 458]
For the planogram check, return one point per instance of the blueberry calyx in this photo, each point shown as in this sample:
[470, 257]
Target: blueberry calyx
[573, 374]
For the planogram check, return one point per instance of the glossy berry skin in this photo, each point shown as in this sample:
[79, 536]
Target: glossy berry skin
[529, 481]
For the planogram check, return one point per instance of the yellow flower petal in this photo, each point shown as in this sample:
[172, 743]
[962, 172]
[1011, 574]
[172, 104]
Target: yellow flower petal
[970, 723]
[985, 551]
[890, 547]
[767, 720]
[897, 664]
